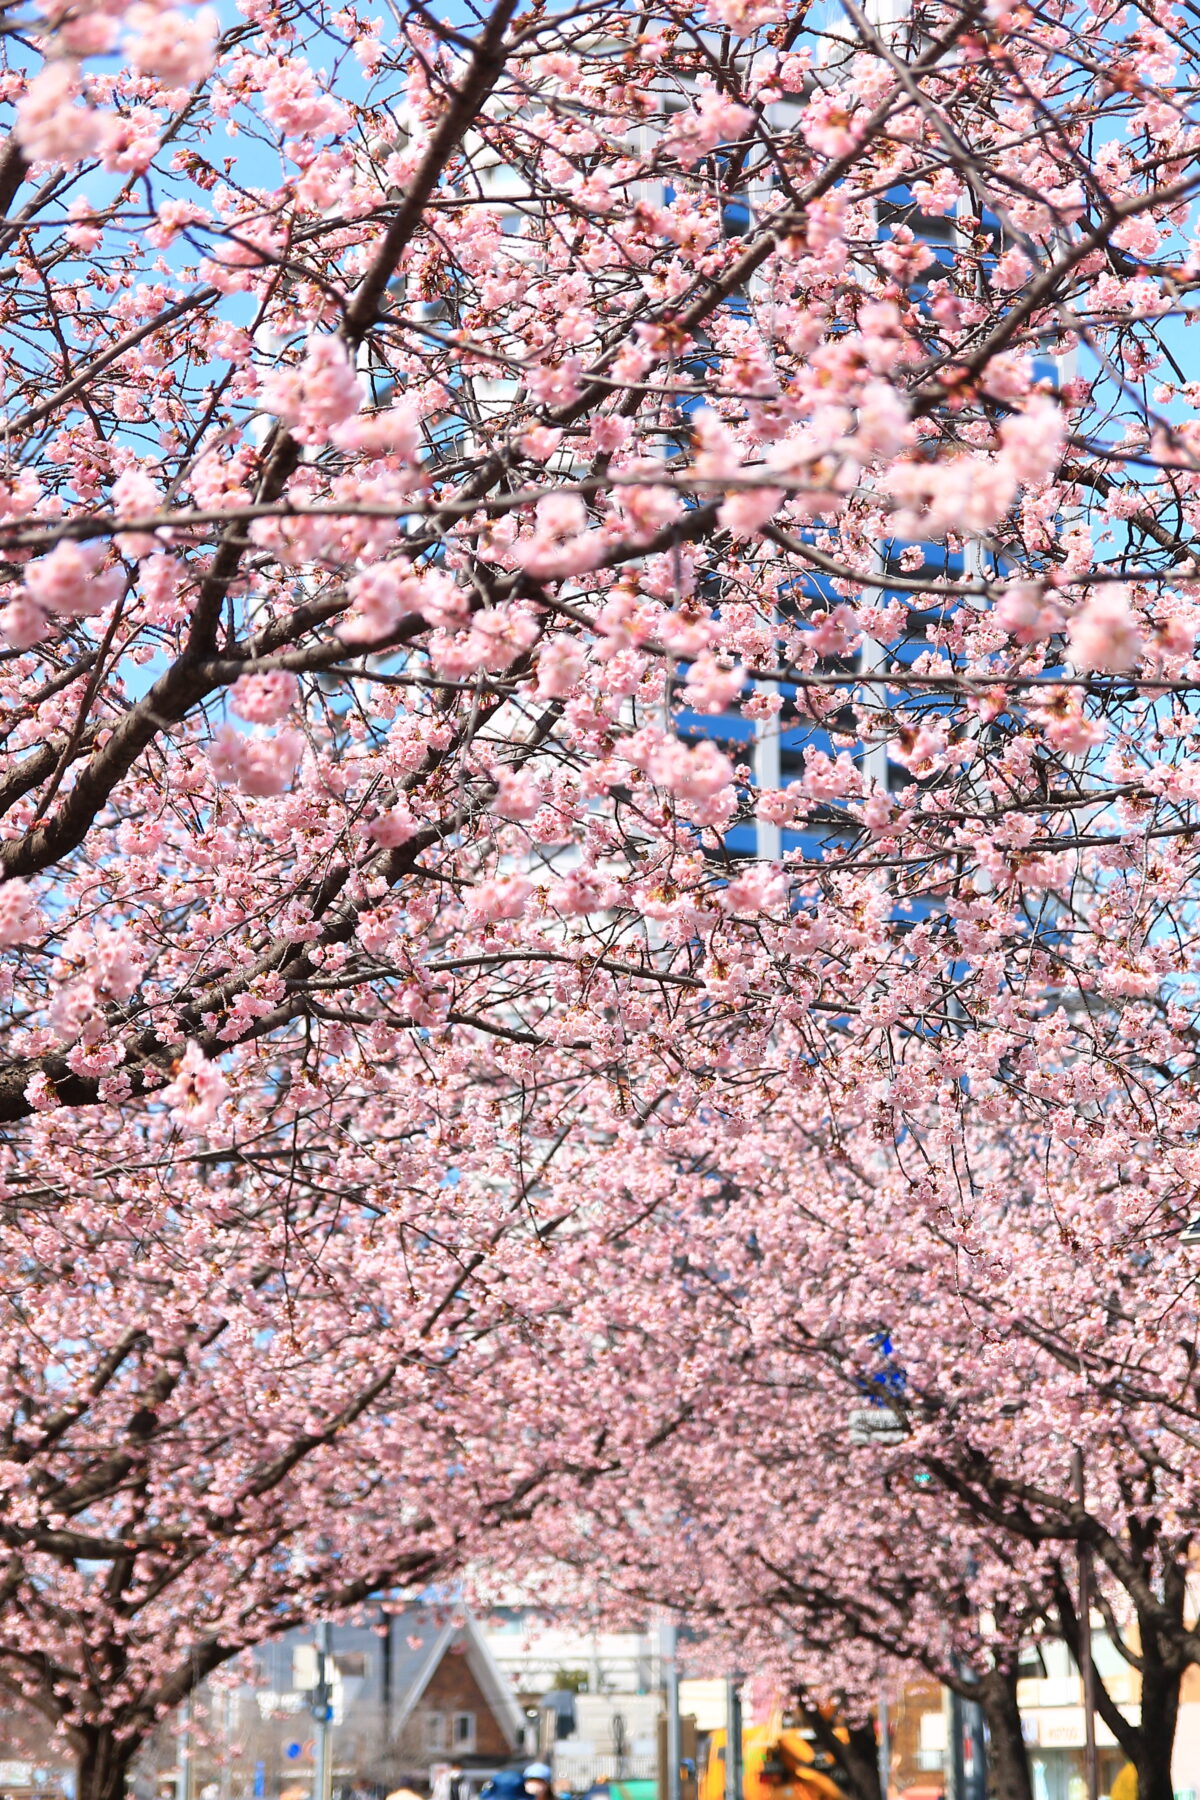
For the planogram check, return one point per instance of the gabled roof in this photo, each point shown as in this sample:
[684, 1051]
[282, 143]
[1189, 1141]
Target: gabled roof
[420, 1643]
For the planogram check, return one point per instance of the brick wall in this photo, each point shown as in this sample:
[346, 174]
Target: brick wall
[452, 1689]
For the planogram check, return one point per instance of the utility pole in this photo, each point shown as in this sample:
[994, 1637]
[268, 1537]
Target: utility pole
[183, 1785]
[227, 1749]
[885, 1745]
[322, 1709]
[1087, 1668]
[733, 1739]
[976, 1780]
[966, 1727]
[386, 1682]
[958, 1773]
[668, 1652]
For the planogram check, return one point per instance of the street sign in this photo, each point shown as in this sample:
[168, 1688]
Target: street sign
[875, 1425]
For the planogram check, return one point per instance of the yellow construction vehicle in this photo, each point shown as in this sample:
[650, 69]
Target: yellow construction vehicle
[777, 1764]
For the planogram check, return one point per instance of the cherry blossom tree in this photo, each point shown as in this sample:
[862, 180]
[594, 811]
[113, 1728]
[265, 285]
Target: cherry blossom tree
[875, 1466]
[257, 1396]
[435, 453]
[375, 505]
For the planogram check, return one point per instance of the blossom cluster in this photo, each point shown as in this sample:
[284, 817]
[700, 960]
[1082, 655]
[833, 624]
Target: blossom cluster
[598, 666]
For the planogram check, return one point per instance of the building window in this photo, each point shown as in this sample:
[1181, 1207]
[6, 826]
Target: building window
[464, 1733]
[435, 1731]
[931, 1741]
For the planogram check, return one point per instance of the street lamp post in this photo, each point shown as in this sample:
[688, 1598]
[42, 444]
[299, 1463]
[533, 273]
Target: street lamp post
[733, 1739]
[885, 1745]
[1087, 1667]
[879, 1424]
[966, 1729]
[958, 1769]
[668, 1651]
[183, 1785]
[973, 1735]
[227, 1737]
[321, 1711]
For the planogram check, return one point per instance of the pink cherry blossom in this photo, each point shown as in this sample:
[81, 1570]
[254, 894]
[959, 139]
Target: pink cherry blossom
[395, 826]
[561, 543]
[394, 429]
[293, 100]
[20, 919]
[50, 126]
[317, 394]
[378, 602]
[264, 698]
[260, 765]
[710, 688]
[70, 580]
[518, 794]
[178, 47]
[692, 772]
[1104, 633]
[197, 1091]
[598, 784]
[746, 513]
[560, 664]
[1013, 270]
[1032, 440]
[503, 897]
[23, 623]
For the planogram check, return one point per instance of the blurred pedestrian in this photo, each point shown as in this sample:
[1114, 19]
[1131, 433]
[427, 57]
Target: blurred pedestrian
[505, 1784]
[539, 1781]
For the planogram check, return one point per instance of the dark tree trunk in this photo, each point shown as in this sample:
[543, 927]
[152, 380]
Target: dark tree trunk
[102, 1765]
[1150, 1742]
[1151, 1755]
[1008, 1762]
[856, 1763]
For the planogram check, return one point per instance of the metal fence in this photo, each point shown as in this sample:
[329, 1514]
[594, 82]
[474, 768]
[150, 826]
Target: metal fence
[574, 1773]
